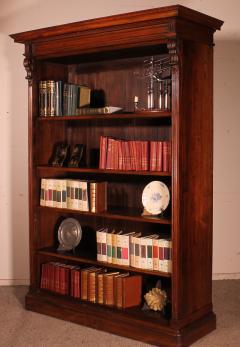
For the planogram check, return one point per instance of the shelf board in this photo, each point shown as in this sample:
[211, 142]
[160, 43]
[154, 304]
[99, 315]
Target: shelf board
[97, 310]
[92, 261]
[46, 168]
[147, 115]
[115, 213]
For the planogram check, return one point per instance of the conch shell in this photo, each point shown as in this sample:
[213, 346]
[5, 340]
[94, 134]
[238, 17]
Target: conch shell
[156, 299]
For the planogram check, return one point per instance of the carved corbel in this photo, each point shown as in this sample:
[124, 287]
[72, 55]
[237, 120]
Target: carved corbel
[173, 50]
[28, 63]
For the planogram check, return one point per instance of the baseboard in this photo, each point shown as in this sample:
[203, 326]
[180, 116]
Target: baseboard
[14, 282]
[227, 276]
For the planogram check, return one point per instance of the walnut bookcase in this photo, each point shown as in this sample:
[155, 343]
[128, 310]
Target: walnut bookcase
[105, 53]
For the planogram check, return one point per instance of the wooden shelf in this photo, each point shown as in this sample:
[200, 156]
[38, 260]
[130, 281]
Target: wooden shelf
[92, 260]
[116, 213]
[45, 169]
[114, 116]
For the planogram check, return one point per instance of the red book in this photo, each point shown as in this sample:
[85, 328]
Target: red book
[75, 283]
[166, 145]
[144, 156]
[134, 155]
[127, 156]
[61, 279]
[57, 279]
[124, 163]
[120, 155]
[110, 158]
[115, 154]
[153, 156]
[138, 155]
[103, 152]
[159, 156]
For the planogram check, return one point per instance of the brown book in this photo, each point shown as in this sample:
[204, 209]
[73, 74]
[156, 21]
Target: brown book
[128, 291]
[98, 196]
[117, 285]
[100, 288]
[76, 282]
[84, 281]
[108, 288]
[92, 285]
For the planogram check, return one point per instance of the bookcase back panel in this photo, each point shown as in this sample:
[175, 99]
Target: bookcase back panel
[47, 135]
[49, 222]
[119, 81]
[89, 132]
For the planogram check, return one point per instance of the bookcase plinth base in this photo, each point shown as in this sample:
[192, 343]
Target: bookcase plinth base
[118, 322]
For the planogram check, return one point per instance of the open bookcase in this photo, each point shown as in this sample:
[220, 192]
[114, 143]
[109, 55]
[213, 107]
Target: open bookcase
[107, 54]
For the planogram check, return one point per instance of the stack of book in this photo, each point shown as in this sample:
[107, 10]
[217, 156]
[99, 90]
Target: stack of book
[57, 98]
[116, 154]
[56, 277]
[74, 194]
[132, 249]
[93, 284]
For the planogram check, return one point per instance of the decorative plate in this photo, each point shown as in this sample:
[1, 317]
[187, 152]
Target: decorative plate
[155, 197]
[69, 234]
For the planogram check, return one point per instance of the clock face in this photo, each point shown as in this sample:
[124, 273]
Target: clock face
[155, 197]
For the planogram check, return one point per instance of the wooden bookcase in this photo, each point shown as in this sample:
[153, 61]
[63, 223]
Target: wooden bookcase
[105, 53]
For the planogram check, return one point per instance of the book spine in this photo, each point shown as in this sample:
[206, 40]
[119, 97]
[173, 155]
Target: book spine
[153, 156]
[161, 254]
[108, 290]
[114, 248]
[125, 250]
[159, 165]
[92, 286]
[100, 288]
[132, 250]
[155, 255]
[167, 256]
[149, 249]
[84, 284]
[143, 258]
[64, 193]
[42, 194]
[85, 202]
[119, 292]
[99, 246]
[137, 258]
[119, 249]
[43, 108]
[109, 247]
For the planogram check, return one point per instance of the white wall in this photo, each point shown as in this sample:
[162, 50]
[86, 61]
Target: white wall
[17, 16]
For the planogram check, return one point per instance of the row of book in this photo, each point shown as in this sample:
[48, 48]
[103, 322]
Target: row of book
[74, 194]
[117, 154]
[93, 284]
[57, 98]
[132, 249]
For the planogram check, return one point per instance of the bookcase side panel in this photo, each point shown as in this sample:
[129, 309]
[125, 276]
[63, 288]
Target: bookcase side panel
[193, 282]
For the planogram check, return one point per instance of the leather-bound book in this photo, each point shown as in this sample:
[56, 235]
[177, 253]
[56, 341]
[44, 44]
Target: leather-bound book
[100, 288]
[128, 291]
[108, 288]
[84, 282]
[92, 284]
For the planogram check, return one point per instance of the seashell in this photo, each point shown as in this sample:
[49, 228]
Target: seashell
[156, 299]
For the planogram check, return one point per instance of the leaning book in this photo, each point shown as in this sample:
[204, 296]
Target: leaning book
[97, 110]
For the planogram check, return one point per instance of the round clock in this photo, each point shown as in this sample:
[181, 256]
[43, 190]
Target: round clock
[69, 234]
[155, 197]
